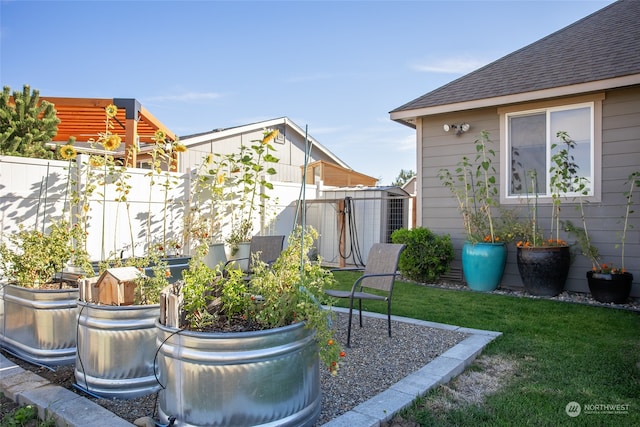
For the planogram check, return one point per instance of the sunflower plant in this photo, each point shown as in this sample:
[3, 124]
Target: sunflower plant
[210, 191]
[249, 169]
[163, 154]
[474, 185]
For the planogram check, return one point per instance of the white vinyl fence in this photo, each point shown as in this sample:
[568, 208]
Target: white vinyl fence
[34, 192]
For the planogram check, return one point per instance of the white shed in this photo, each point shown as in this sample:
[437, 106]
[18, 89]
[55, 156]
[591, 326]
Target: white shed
[351, 220]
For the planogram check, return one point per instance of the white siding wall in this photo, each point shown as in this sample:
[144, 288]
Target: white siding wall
[291, 153]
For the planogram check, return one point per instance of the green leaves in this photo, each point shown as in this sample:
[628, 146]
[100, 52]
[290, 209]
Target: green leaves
[427, 255]
[285, 292]
[564, 178]
[32, 257]
[633, 181]
[198, 280]
[271, 159]
[250, 167]
[26, 124]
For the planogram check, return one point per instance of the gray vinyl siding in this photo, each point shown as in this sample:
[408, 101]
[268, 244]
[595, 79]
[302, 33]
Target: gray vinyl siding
[620, 157]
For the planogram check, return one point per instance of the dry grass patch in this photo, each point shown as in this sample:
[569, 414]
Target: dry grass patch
[487, 375]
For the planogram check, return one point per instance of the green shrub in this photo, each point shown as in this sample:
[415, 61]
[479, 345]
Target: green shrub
[426, 256]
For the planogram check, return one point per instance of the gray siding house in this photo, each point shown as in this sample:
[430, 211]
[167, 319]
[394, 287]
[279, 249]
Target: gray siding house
[289, 146]
[583, 79]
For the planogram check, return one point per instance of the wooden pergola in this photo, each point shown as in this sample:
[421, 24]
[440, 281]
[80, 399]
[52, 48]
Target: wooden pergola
[84, 119]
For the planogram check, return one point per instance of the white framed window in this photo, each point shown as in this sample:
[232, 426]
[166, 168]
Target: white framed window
[280, 139]
[529, 137]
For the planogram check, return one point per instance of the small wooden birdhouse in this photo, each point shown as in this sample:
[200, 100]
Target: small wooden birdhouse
[116, 286]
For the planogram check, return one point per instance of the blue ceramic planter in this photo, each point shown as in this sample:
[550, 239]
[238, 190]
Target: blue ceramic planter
[483, 265]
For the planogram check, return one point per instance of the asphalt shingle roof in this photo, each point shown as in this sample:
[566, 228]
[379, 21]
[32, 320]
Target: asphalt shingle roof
[603, 45]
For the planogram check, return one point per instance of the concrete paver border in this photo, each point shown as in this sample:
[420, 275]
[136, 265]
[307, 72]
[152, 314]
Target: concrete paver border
[440, 370]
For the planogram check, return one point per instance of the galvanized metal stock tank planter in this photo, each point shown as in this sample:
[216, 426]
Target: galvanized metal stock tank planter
[116, 349]
[261, 378]
[39, 325]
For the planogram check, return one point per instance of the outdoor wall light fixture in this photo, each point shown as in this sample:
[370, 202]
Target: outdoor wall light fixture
[460, 129]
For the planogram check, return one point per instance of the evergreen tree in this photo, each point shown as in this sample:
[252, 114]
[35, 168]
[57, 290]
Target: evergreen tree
[26, 124]
[403, 177]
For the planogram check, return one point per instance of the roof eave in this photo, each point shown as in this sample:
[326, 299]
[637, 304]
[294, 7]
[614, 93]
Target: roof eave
[316, 143]
[216, 134]
[221, 134]
[409, 116]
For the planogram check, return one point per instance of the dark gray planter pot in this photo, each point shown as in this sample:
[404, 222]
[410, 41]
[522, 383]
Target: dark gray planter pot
[544, 269]
[610, 288]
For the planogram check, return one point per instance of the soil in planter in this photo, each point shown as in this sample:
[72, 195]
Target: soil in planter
[53, 286]
[235, 324]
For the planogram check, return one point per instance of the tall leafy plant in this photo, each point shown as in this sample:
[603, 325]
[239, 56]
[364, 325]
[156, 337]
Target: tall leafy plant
[564, 182]
[474, 185]
[210, 190]
[162, 157]
[564, 179]
[251, 167]
[587, 247]
[486, 177]
[633, 181]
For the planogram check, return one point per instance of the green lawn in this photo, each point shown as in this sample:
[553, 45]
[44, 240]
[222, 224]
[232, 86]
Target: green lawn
[564, 352]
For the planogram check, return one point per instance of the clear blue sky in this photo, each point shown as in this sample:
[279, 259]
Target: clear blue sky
[337, 67]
